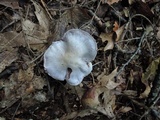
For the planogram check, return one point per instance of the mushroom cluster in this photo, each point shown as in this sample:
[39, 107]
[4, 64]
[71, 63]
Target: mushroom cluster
[70, 58]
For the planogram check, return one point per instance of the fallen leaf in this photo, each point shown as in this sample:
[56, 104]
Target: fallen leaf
[107, 37]
[119, 32]
[158, 33]
[34, 34]
[11, 39]
[93, 100]
[149, 76]
[124, 109]
[91, 97]
[10, 3]
[23, 84]
[116, 26]
[7, 57]
[110, 2]
[108, 80]
[43, 18]
[109, 104]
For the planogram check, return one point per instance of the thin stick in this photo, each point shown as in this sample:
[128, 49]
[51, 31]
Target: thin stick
[135, 53]
[16, 111]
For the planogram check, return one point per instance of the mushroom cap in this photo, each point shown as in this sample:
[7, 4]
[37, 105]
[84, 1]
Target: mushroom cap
[74, 51]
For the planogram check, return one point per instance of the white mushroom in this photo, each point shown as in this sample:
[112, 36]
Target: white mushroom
[70, 58]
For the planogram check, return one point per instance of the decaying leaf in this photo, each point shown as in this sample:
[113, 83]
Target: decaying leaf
[22, 85]
[93, 100]
[100, 97]
[11, 39]
[149, 76]
[124, 109]
[158, 33]
[43, 18]
[107, 37]
[10, 3]
[91, 97]
[35, 36]
[116, 26]
[7, 57]
[119, 32]
[108, 80]
[109, 104]
[110, 2]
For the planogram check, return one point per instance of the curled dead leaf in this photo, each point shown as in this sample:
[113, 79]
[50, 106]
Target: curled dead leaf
[7, 57]
[116, 26]
[158, 33]
[107, 37]
[101, 99]
[10, 3]
[119, 32]
[108, 80]
[91, 97]
[42, 16]
[149, 76]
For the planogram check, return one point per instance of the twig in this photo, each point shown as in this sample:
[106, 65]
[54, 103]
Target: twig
[9, 106]
[16, 111]
[44, 5]
[135, 53]
[151, 107]
[94, 14]
[8, 25]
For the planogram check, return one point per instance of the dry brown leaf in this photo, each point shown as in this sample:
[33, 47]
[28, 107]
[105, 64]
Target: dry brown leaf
[124, 109]
[109, 104]
[10, 3]
[34, 34]
[93, 100]
[108, 80]
[91, 97]
[11, 39]
[7, 57]
[116, 26]
[43, 18]
[110, 2]
[149, 76]
[158, 33]
[107, 37]
[119, 32]
[22, 85]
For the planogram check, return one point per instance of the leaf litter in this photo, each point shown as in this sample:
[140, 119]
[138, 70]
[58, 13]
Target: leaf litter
[124, 72]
